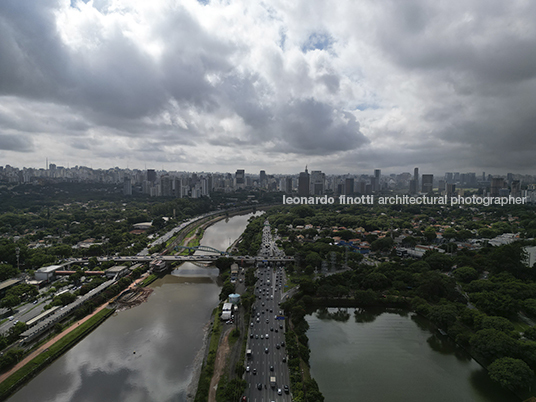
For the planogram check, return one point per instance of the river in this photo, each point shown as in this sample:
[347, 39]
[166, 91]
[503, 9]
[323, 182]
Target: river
[392, 355]
[147, 353]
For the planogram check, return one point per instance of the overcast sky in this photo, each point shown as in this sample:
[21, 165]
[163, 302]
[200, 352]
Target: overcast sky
[341, 86]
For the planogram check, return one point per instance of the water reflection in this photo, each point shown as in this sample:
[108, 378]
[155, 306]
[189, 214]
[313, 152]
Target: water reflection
[383, 355]
[147, 353]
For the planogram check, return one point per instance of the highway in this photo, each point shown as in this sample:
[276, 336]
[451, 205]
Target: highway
[266, 338]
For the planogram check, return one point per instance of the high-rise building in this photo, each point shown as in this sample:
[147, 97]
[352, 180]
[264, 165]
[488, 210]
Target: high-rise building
[427, 183]
[377, 176]
[497, 183]
[262, 179]
[516, 188]
[288, 187]
[127, 186]
[151, 175]
[416, 178]
[451, 189]
[303, 183]
[317, 182]
[240, 178]
[349, 186]
[413, 189]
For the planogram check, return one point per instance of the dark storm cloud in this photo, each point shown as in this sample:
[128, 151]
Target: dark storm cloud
[15, 143]
[315, 128]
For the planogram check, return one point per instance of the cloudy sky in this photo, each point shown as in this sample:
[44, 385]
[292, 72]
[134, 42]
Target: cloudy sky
[342, 86]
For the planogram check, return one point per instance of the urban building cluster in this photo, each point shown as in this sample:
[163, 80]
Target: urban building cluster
[188, 184]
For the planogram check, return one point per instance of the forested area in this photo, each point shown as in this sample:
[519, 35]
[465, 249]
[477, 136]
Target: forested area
[484, 299]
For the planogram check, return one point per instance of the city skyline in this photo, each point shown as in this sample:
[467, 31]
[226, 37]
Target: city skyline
[216, 86]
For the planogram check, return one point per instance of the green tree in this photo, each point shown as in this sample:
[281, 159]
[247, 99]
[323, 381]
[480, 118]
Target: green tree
[7, 271]
[493, 344]
[10, 301]
[513, 374]
[465, 274]
[443, 315]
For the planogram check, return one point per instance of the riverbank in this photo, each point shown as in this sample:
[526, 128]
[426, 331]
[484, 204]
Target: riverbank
[38, 360]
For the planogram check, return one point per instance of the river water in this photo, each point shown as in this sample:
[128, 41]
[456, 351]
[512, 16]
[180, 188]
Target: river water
[147, 353]
[392, 355]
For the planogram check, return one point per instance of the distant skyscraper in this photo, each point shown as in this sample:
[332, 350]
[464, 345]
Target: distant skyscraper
[349, 186]
[151, 175]
[427, 183]
[516, 188]
[262, 179]
[377, 176]
[303, 183]
[497, 183]
[451, 189]
[127, 186]
[240, 178]
[413, 186]
[317, 182]
[288, 186]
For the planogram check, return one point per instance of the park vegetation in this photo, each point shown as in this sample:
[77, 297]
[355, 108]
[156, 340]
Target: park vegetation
[483, 298]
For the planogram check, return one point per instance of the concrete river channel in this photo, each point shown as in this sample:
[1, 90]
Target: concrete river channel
[149, 352]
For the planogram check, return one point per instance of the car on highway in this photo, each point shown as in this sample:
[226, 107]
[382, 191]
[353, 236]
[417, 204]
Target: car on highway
[259, 386]
[279, 392]
[266, 350]
[286, 389]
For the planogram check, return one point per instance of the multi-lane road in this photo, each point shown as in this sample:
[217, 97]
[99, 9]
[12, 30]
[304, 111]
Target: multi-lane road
[267, 340]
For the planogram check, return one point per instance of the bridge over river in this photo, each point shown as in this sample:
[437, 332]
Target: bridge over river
[181, 258]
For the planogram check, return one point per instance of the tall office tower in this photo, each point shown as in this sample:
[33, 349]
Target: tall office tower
[516, 188]
[151, 175]
[240, 178]
[127, 186]
[497, 183]
[377, 176]
[361, 187]
[303, 183]
[483, 176]
[317, 182]
[427, 183]
[451, 189]
[288, 186]
[372, 184]
[262, 179]
[166, 186]
[413, 186]
[349, 186]
[416, 178]
[449, 177]
[442, 186]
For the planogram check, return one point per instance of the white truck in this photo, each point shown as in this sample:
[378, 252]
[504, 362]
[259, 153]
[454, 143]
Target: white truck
[272, 382]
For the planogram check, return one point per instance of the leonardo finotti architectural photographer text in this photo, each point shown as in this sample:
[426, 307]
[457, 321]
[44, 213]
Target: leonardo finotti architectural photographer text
[404, 200]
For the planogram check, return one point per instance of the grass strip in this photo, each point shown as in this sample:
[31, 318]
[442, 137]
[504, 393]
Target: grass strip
[147, 281]
[207, 371]
[33, 367]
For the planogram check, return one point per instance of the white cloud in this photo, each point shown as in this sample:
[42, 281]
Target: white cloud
[346, 85]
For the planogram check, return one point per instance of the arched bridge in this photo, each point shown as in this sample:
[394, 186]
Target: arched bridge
[203, 248]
